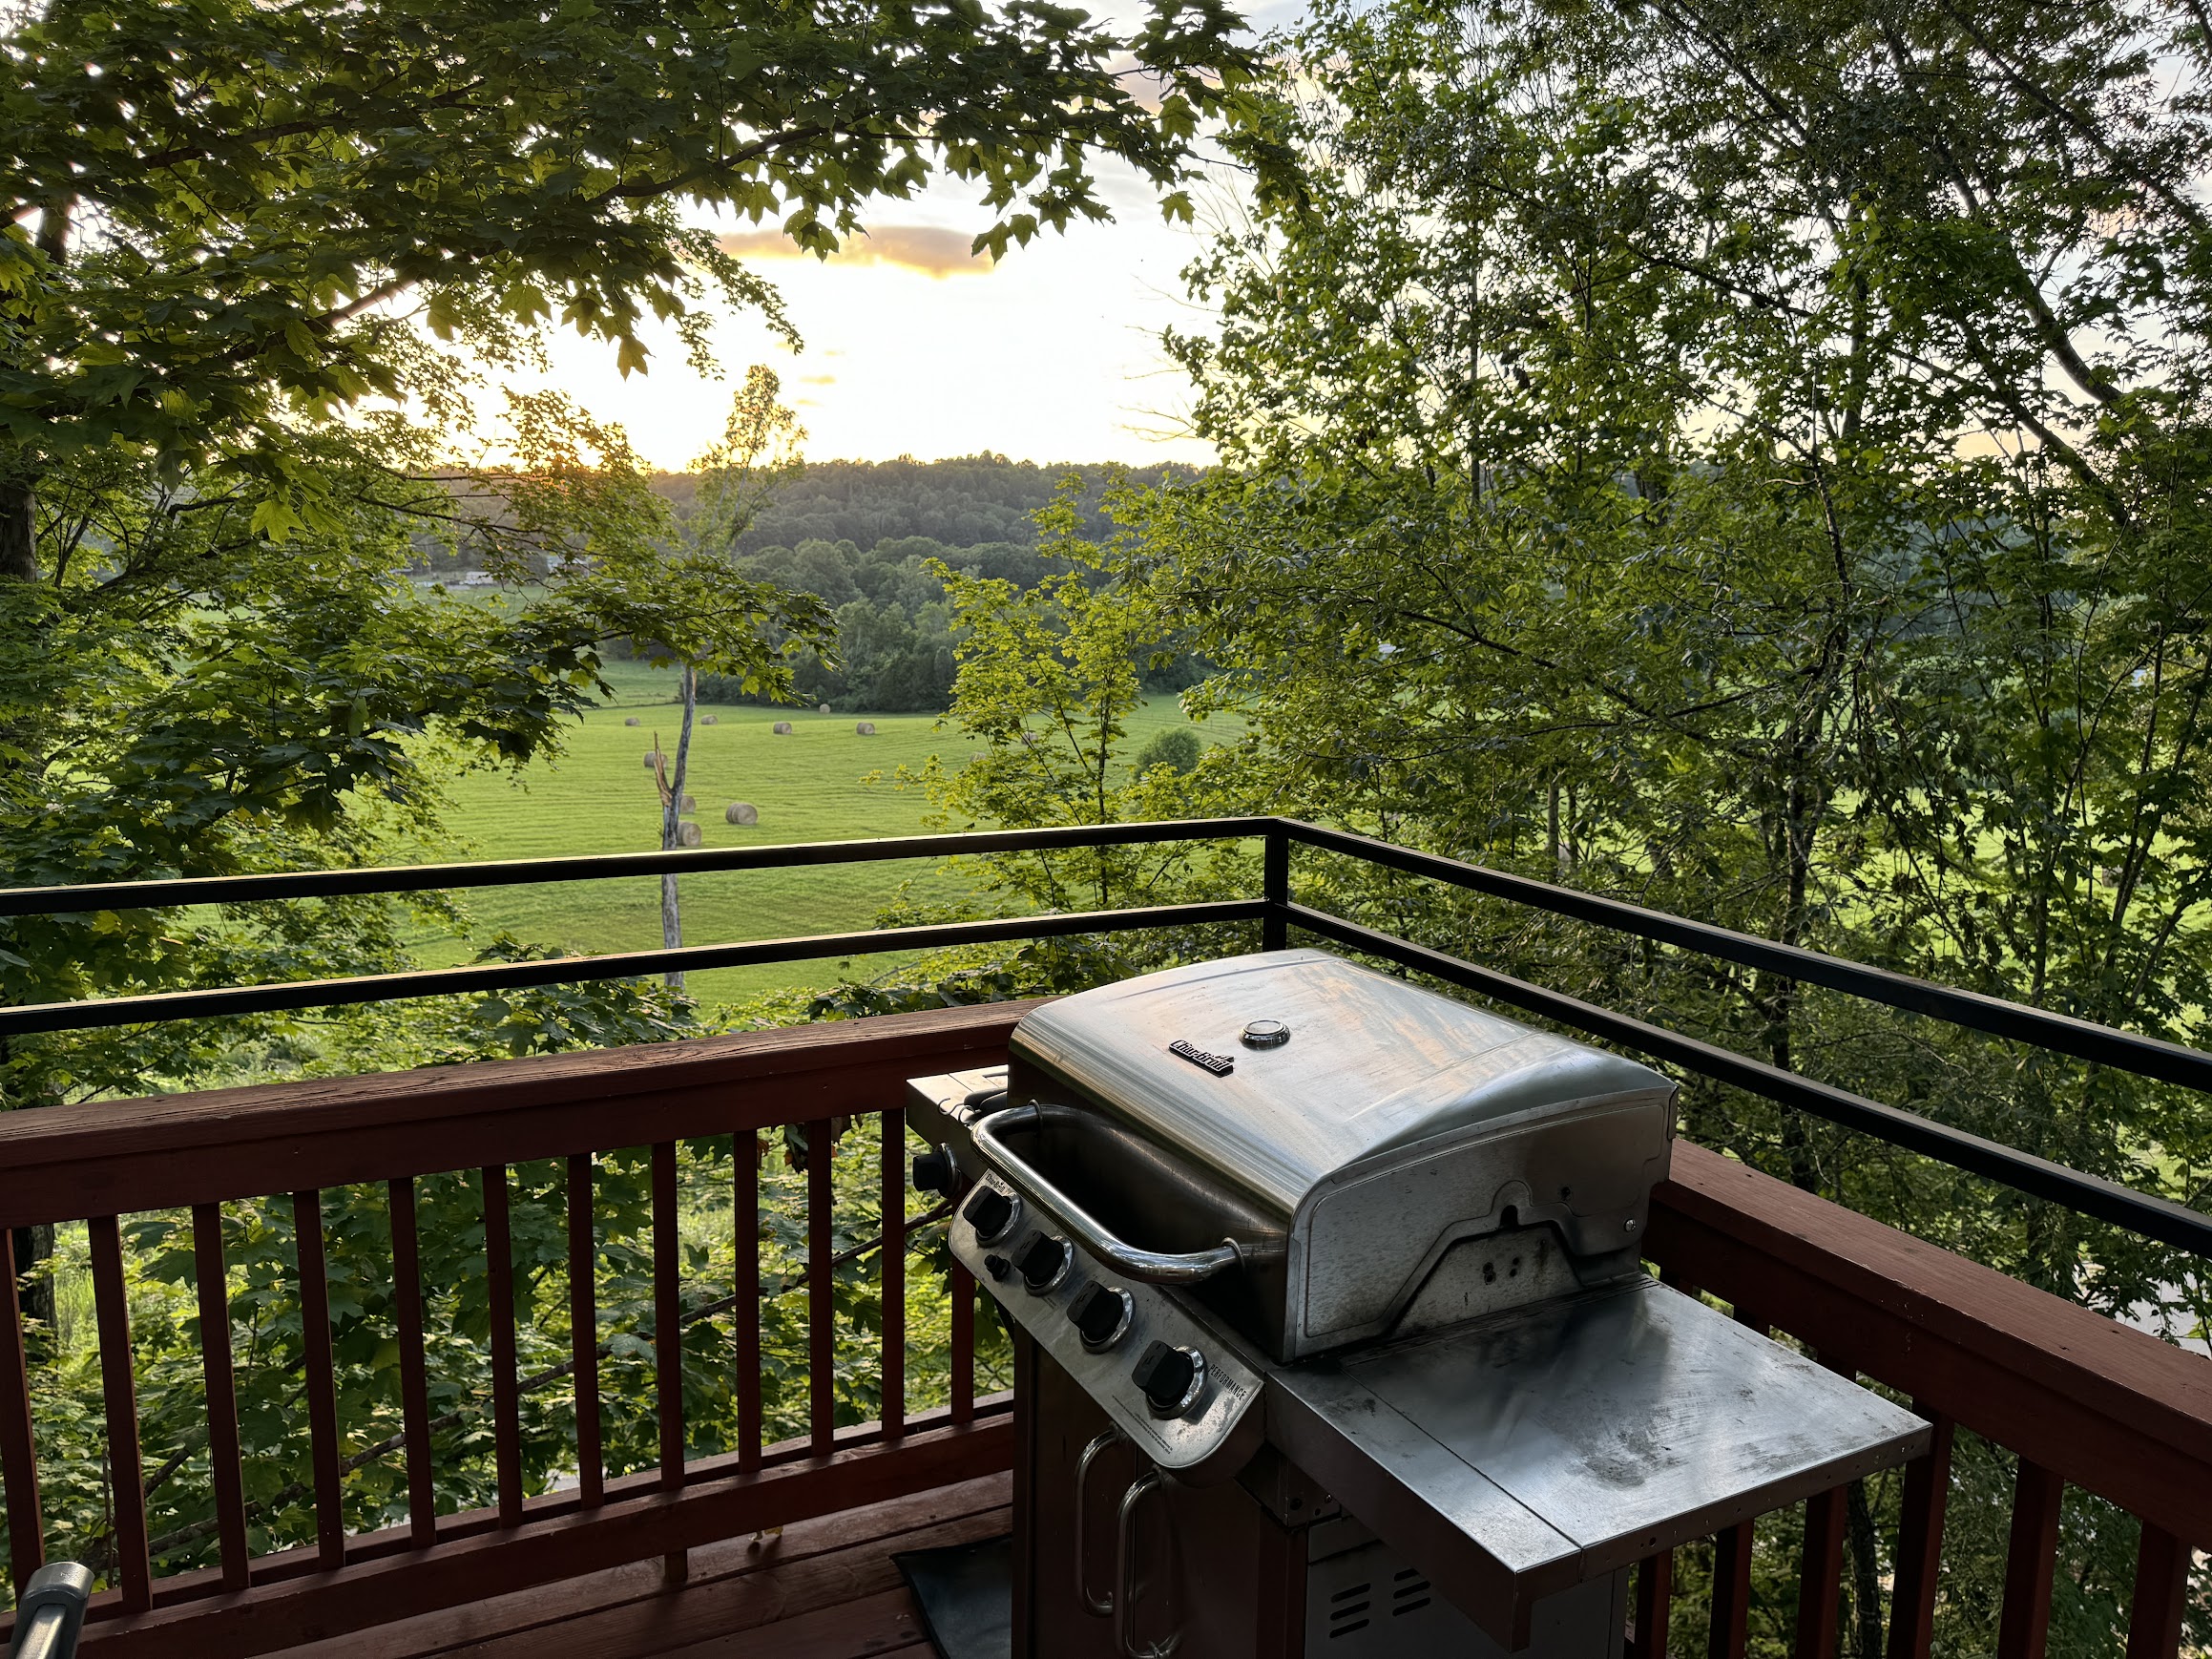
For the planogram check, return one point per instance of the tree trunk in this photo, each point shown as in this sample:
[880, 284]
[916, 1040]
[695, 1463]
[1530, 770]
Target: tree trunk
[671, 826]
[18, 532]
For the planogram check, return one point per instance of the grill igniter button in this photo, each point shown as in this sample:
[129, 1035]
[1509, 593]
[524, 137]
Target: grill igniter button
[1170, 1380]
[992, 1213]
[1044, 1263]
[1100, 1314]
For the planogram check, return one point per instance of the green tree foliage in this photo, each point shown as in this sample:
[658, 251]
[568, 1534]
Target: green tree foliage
[962, 502]
[1047, 678]
[211, 214]
[256, 269]
[259, 268]
[1755, 462]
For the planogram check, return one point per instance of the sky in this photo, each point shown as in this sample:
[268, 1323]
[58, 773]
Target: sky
[913, 346]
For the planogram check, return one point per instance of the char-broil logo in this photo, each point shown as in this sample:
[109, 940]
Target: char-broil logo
[1220, 1065]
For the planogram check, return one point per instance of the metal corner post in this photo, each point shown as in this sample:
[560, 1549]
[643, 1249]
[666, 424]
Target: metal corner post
[1275, 891]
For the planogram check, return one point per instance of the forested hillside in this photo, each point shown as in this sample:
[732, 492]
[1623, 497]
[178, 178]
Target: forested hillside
[864, 536]
[966, 502]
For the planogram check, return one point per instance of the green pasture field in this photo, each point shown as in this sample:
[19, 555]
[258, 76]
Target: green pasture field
[598, 797]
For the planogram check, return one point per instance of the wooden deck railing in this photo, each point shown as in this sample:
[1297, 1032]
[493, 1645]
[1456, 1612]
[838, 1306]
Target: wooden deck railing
[2081, 1400]
[102, 1163]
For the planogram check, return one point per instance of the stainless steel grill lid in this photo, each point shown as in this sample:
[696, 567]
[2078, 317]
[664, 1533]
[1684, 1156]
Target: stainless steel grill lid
[1360, 1125]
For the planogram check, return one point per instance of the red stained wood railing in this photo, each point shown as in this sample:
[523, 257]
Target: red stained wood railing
[499, 1300]
[118, 1389]
[821, 1290]
[18, 1452]
[225, 1464]
[2162, 1564]
[200, 1151]
[668, 1315]
[584, 1332]
[2084, 1400]
[320, 1379]
[406, 1290]
[2088, 1404]
[1655, 1605]
[745, 1224]
[2030, 1559]
[892, 1203]
[1731, 1625]
[962, 1284]
[1920, 1542]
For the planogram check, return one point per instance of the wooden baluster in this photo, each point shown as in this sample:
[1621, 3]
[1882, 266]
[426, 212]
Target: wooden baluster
[820, 1291]
[320, 1378]
[499, 1297]
[962, 1284]
[225, 1460]
[2153, 1625]
[1731, 1625]
[584, 1332]
[406, 1307]
[894, 1274]
[745, 1225]
[18, 1451]
[1821, 1577]
[1920, 1543]
[118, 1389]
[1654, 1602]
[668, 1315]
[2030, 1559]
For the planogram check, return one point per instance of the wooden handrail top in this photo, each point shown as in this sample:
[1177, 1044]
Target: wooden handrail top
[2111, 1408]
[162, 1151]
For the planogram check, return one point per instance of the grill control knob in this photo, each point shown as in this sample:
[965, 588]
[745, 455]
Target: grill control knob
[992, 1213]
[1170, 1380]
[1044, 1263]
[933, 1172]
[1100, 1314]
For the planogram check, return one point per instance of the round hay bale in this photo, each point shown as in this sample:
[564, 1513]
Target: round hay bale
[709, 720]
[633, 720]
[865, 728]
[689, 835]
[782, 728]
[741, 812]
[651, 756]
[690, 804]
[824, 710]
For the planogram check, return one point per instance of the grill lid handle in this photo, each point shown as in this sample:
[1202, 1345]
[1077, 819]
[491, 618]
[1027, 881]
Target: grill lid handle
[1152, 1266]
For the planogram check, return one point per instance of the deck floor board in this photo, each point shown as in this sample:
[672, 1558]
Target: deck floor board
[822, 1589]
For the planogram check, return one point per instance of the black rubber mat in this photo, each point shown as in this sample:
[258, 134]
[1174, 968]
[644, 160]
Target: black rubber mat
[966, 1597]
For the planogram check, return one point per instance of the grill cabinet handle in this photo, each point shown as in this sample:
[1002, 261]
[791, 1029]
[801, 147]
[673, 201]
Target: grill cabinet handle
[1153, 1267]
[1125, 1577]
[1098, 1607]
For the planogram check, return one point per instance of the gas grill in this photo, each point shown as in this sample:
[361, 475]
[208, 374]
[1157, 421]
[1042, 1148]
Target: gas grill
[1333, 1335]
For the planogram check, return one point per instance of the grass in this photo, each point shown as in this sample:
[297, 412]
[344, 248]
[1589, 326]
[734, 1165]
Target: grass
[598, 797]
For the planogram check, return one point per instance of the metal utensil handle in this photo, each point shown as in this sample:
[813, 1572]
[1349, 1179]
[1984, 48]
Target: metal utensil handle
[1125, 1576]
[1154, 1267]
[1097, 1606]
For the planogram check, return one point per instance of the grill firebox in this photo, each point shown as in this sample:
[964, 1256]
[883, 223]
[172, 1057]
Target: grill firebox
[1333, 1334]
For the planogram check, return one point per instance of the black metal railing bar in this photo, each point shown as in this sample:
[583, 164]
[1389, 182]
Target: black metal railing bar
[295, 994]
[2085, 1194]
[20, 901]
[1277, 912]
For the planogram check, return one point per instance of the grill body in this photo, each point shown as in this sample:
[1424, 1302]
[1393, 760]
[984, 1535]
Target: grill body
[1331, 1331]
